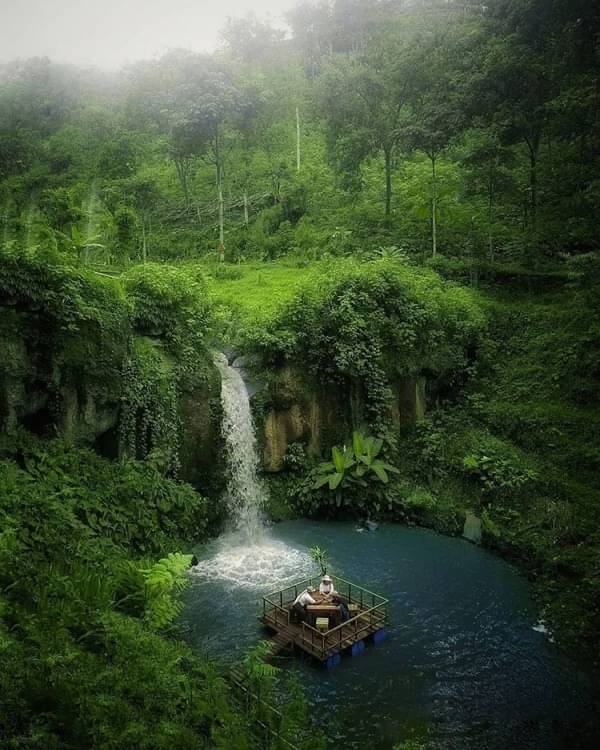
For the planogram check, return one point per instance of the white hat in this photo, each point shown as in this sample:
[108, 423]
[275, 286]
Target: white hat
[326, 578]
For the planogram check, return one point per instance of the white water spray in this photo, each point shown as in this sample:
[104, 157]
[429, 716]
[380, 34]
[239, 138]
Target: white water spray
[244, 495]
[247, 556]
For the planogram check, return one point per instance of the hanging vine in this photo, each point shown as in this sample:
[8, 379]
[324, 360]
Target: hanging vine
[149, 423]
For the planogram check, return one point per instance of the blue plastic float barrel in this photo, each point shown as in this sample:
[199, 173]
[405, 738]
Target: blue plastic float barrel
[379, 635]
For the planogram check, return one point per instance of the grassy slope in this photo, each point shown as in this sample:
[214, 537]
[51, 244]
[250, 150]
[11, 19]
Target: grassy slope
[257, 290]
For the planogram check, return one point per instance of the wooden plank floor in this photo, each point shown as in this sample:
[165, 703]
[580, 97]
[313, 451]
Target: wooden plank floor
[288, 635]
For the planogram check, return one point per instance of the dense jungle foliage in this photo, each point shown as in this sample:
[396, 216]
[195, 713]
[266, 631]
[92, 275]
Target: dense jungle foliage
[393, 194]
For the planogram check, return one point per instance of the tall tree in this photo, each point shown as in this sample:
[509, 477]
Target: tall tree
[365, 101]
[435, 116]
[201, 106]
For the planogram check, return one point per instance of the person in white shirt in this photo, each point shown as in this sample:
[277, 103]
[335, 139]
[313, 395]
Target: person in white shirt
[300, 603]
[326, 586]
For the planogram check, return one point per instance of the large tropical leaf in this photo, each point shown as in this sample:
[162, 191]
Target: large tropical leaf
[380, 472]
[321, 481]
[357, 444]
[373, 448]
[335, 480]
[338, 459]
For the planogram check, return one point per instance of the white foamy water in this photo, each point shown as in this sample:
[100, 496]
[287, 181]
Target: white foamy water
[265, 564]
[244, 494]
[247, 555]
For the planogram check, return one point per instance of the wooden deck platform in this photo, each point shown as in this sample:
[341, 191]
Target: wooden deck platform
[370, 618]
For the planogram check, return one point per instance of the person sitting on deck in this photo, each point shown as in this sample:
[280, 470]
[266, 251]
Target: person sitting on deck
[341, 602]
[326, 586]
[304, 598]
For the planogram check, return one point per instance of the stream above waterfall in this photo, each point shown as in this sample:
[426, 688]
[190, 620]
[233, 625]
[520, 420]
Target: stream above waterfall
[465, 665]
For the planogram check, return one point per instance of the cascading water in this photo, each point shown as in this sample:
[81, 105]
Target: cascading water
[244, 494]
[247, 555]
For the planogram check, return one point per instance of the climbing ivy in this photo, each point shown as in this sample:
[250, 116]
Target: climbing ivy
[149, 418]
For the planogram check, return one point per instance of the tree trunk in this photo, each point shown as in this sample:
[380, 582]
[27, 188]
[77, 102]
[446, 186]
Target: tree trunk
[221, 220]
[297, 139]
[533, 144]
[219, 177]
[533, 185]
[182, 173]
[245, 208]
[490, 212]
[387, 153]
[433, 207]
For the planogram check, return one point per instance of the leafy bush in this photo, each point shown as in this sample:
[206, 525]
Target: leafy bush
[355, 479]
[84, 318]
[354, 465]
[497, 466]
[295, 459]
[83, 664]
[149, 418]
[169, 302]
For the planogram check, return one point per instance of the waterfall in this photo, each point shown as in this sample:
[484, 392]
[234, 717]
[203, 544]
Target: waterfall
[247, 555]
[244, 494]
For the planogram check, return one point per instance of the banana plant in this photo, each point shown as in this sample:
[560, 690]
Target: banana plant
[336, 472]
[366, 452]
[354, 465]
[320, 557]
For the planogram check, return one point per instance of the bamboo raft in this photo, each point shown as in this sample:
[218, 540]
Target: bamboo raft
[368, 619]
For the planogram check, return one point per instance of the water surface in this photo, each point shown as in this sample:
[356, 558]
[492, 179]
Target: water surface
[462, 666]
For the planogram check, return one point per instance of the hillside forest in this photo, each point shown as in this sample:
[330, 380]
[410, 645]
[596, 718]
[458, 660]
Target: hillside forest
[390, 211]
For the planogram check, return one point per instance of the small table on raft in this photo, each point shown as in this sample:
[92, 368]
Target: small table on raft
[323, 609]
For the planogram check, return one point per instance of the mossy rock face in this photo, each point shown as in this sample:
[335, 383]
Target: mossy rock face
[46, 388]
[200, 415]
[409, 400]
[286, 389]
[295, 409]
[42, 390]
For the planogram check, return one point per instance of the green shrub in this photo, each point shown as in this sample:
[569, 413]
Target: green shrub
[84, 598]
[295, 459]
[170, 303]
[497, 466]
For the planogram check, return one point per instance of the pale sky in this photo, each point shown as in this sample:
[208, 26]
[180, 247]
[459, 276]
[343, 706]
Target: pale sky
[110, 33]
